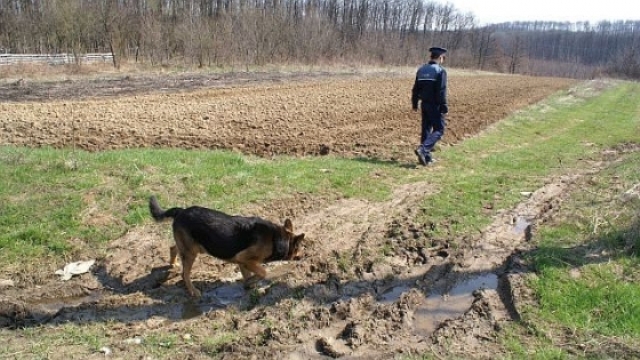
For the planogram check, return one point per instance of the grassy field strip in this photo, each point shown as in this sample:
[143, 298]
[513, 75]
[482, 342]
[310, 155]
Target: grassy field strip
[586, 281]
[52, 196]
[521, 153]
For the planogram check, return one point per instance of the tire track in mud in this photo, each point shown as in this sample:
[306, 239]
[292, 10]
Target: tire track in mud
[457, 299]
[441, 289]
[334, 228]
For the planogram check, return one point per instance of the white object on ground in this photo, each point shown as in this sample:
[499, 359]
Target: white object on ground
[133, 341]
[6, 283]
[632, 193]
[74, 268]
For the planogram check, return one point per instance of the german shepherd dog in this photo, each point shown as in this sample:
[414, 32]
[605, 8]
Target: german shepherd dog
[246, 241]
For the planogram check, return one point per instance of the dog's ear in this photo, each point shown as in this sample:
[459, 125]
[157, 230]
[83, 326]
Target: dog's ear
[288, 225]
[295, 249]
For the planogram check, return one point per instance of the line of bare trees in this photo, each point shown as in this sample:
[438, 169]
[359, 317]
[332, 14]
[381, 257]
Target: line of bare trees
[227, 33]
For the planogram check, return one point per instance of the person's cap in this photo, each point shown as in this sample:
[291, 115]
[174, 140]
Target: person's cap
[437, 51]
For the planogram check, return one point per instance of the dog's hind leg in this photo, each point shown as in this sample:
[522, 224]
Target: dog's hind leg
[188, 252]
[173, 256]
[187, 263]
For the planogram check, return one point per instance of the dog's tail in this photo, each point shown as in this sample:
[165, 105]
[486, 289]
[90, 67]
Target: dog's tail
[158, 213]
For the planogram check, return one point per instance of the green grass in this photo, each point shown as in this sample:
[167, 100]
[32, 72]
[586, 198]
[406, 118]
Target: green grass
[588, 260]
[587, 266]
[599, 302]
[212, 345]
[522, 152]
[50, 196]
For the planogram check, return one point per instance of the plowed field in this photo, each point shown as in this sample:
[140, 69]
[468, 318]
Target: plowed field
[353, 116]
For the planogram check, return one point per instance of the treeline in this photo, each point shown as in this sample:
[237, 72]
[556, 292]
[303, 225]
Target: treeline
[573, 48]
[255, 32]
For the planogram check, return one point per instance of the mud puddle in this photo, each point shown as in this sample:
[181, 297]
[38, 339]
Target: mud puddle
[441, 306]
[232, 293]
[53, 305]
[217, 298]
[393, 294]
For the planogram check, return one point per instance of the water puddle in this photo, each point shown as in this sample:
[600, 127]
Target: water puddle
[217, 298]
[45, 307]
[439, 307]
[523, 226]
[393, 294]
[191, 309]
[226, 294]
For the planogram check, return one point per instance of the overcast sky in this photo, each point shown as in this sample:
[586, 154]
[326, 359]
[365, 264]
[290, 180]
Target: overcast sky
[497, 11]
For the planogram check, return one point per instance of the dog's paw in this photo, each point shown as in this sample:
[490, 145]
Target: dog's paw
[195, 293]
[250, 285]
[252, 282]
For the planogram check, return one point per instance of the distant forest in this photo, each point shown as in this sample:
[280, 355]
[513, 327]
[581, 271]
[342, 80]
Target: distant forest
[242, 33]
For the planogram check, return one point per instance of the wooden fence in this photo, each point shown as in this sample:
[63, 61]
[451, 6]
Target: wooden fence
[54, 59]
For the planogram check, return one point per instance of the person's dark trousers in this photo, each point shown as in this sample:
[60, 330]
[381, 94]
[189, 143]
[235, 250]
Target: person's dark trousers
[432, 127]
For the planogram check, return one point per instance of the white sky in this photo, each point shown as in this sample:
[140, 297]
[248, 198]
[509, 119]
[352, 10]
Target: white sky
[497, 11]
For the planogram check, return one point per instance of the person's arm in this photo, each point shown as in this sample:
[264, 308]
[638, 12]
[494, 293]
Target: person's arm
[414, 94]
[444, 107]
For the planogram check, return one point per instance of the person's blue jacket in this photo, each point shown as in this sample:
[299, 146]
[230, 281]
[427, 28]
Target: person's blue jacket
[430, 87]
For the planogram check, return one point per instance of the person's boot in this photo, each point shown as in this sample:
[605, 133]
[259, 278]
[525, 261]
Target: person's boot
[421, 156]
[428, 158]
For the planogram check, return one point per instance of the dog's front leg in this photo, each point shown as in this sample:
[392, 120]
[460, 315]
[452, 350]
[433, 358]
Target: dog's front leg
[245, 272]
[259, 274]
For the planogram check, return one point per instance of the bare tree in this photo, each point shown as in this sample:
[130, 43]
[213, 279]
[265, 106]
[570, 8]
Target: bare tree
[481, 43]
[515, 53]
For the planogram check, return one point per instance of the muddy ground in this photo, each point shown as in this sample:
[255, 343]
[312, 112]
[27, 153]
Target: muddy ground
[375, 287]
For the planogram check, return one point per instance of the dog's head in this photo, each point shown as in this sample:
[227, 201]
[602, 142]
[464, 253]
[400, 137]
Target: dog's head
[295, 242]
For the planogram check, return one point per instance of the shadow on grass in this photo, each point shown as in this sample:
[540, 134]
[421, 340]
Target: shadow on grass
[387, 162]
[612, 245]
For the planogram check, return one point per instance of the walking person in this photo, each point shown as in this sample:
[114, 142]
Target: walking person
[430, 88]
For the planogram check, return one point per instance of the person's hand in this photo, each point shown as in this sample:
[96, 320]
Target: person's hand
[444, 109]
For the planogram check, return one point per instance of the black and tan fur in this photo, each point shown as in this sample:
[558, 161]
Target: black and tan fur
[246, 241]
